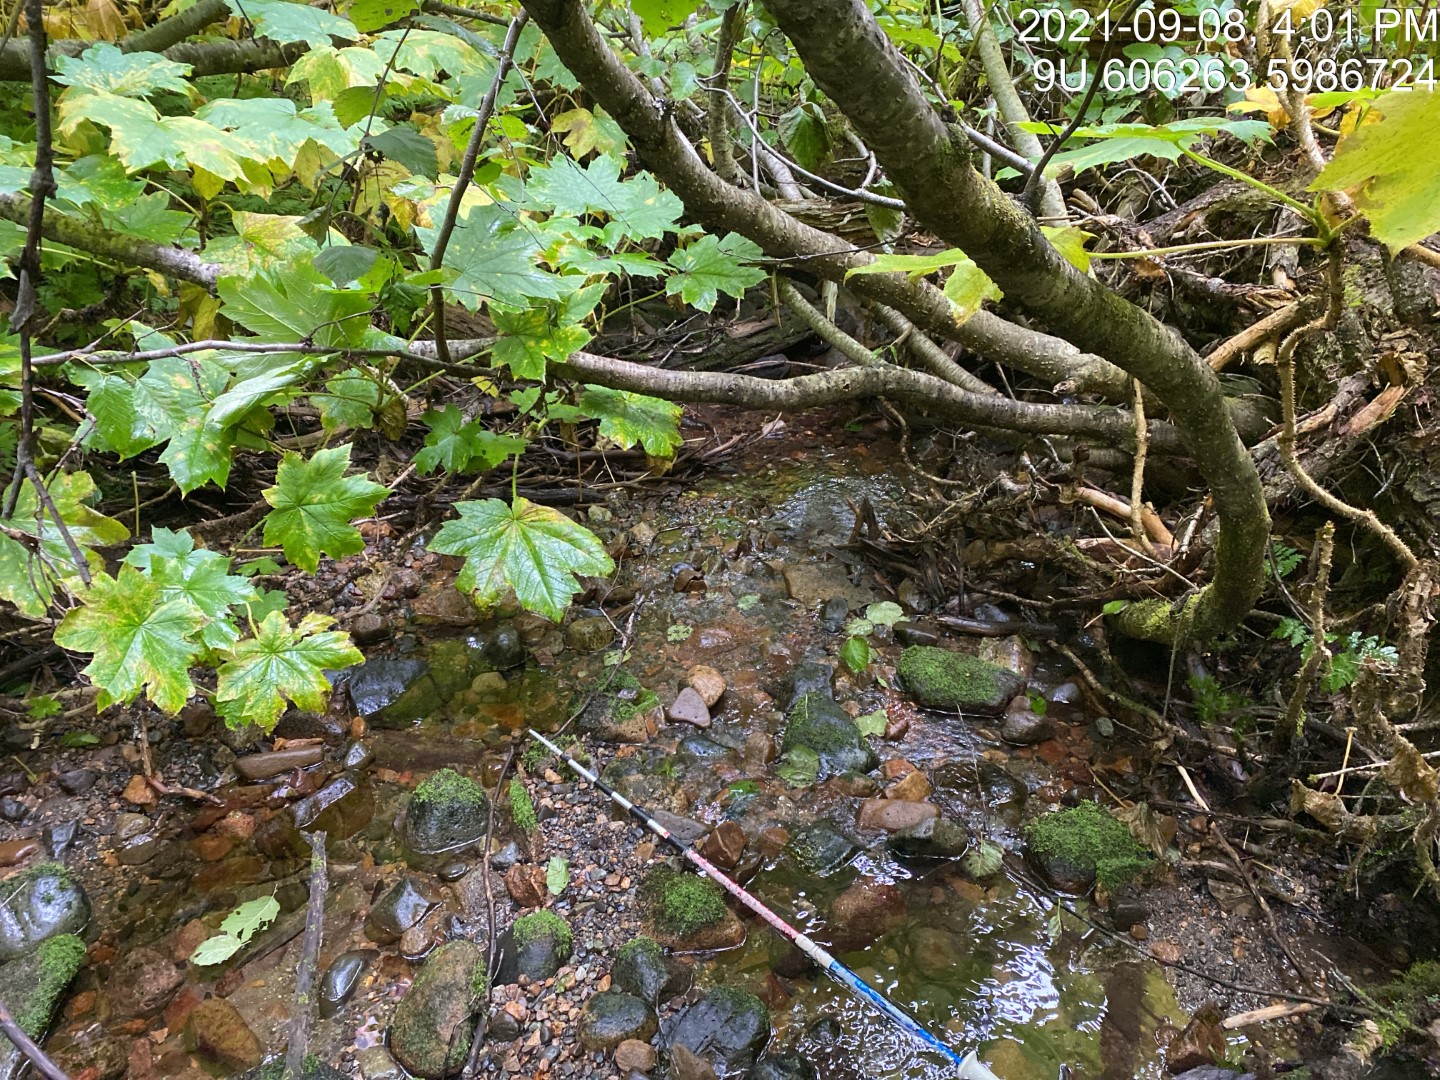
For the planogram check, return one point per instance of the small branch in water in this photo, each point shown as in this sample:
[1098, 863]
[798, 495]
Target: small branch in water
[26, 1045]
[300, 1023]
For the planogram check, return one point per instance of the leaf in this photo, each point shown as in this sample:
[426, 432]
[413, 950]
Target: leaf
[343, 264]
[1070, 242]
[138, 640]
[495, 259]
[104, 67]
[457, 444]
[799, 766]
[1121, 142]
[657, 16]
[873, 723]
[804, 134]
[679, 632]
[215, 950]
[709, 267]
[281, 663]
[533, 336]
[368, 15]
[637, 207]
[856, 654]
[408, 147]
[43, 706]
[967, 287]
[295, 302]
[1390, 168]
[202, 577]
[533, 550]
[589, 132]
[627, 418]
[352, 400]
[71, 740]
[886, 613]
[314, 503]
[250, 917]
[28, 568]
[557, 875]
[281, 21]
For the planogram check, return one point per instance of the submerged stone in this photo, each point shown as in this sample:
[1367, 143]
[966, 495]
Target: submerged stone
[941, 679]
[618, 714]
[934, 839]
[218, 1033]
[377, 683]
[726, 1028]
[821, 849]
[820, 724]
[40, 903]
[341, 978]
[431, 1032]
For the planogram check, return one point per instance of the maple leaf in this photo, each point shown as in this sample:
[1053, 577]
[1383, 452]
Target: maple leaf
[709, 267]
[627, 418]
[203, 577]
[458, 444]
[281, 663]
[314, 503]
[138, 639]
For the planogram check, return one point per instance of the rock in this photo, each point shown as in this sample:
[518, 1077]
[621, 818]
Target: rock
[783, 1067]
[863, 913]
[1067, 693]
[13, 810]
[916, 634]
[1025, 728]
[1201, 1042]
[892, 815]
[633, 1056]
[685, 1064]
[759, 750]
[31, 987]
[707, 682]
[143, 982]
[446, 812]
[914, 786]
[539, 945]
[431, 1031]
[642, 968]
[453, 870]
[1127, 911]
[219, 1034]
[376, 684]
[138, 850]
[275, 762]
[508, 855]
[340, 809]
[700, 749]
[504, 649]
[404, 905]
[139, 792]
[724, 845]
[689, 708]
[932, 839]
[940, 679]
[1008, 652]
[1214, 1072]
[819, 723]
[589, 635]
[296, 724]
[618, 714]
[1075, 848]
[341, 978]
[502, 1027]
[94, 1055]
[370, 628]
[76, 781]
[59, 835]
[814, 583]
[912, 597]
[610, 1018]
[821, 849]
[726, 1028]
[128, 826]
[833, 614]
[17, 851]
[810, 677]
[442, 604]
[526, 885]
[357, 755]
[687, 830]
[376, 1064]
[37, 904]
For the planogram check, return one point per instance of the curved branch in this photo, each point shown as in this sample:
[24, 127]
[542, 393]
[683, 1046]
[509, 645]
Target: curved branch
[204, 57]
[850, 58]
[176, 28]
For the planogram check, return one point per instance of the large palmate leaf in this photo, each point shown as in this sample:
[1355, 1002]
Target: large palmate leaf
[281, 663]
[532, 336]
[457, 445]
[198, 575]
[140, 137]
[33, 554]
[282, 21]
[657, 16]
[139, 640]
[314, 504]
[295, 302]
[627, 418]
[136, 74]
[532, 550]
[637, 207]
[1391, 167]
[368, 15]
[709, 267]
[496, 257]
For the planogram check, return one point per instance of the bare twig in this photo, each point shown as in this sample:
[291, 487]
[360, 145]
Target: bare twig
[300, 1023]
[1137, 475]
[718, 117]
[26, 1045]
[1319, 657]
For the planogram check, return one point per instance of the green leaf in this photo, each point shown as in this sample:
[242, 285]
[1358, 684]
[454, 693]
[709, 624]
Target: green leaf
[496, 259]
[104, 67]
[627, 418]
[799, 766]
[281, 21]
[250, 918]
[28, 569]
[856, 654]
[138, 640]
[679, 632]
[343, 264]
[314, 503]
[533, 550]
[281, 663]
[804, 134]
[215, 950]
[637, 207]
[557, 875]
[408, 147]
[886, 613]
[967, 287]
[140, 137]
[1390, 167]
[368, 15]
[657, 16]
[709, 267]
[1070, 242]
[1121, 142]
[73, 740]
[458, 445]
[873, 723]
[202, 577]
[1114, 607]
[296, 302]
[352, 400]
[530, 337]
[43, 706]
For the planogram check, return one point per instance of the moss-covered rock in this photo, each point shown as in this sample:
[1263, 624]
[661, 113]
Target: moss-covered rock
[1077, 847]
[431, 1032]
[642, 968]
[31, 987]
[39, 903]
[610, 1017]
[536, 946]
[446, 812]
[522, 809]
[820, 724]
[941, 679]
[618, 713]
[688, 912]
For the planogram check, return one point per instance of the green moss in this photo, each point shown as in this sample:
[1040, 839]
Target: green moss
[448, 786]
[1089, 837]
[541, 924]
[59, 957]
[479, 981]
[536, 755]
[683, 904]
[522, 810]
[627, 708]
[642, 946]
[944, 679]
[813, 723]
[1414, 1001]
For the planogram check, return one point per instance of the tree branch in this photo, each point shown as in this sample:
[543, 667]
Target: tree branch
[204, 57]
[176, 28]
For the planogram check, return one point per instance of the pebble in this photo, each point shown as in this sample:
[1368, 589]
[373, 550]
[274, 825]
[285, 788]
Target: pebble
[707, 682]
[76, 781]
[12, 809]
[690, 708]
[632, 1055]
[59, 836]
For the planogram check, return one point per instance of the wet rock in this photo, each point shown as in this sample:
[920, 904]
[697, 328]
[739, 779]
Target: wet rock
[685, 829]
[76, 781]
[1127, 911]
[431, 1032]
[94, 1055]
[618, 714]
[446, 812]
[916, 634]
[503, 649]
[698, 748]
[783, 1067]
[40, 903]
[1025, 728]
[689, 708]
[1201, 1042]
[378, 683]
[819, 723]
[453, 870]
[376, 1063]
[357, 755]
[1009, 652]
[707, 682]
[297, 724]
[341, 978]
[129, 825]
[813, 583]
[275, 762]
[863, 913]
[940, 679]
[1001, 789]
[1067, 693]
[932, 839]
[724, 845]
[1214, 1072]
[610, 1018]
[688, 913]
[589, 635]
[810, 677]
[502, 1027]
[833, 614]
[642, 968]
[758, 751]
[685, 1064]
[143, 982]
[1075, 848]
[404, 905]
[138, 850]
[32, 985]
[726, 1028]
[442, 604]
[59, 835]
[340, 809]
[536, 946]
[634, 1056]
[13, 810]
[370, 628]
[821, 849]
[892, 815]
[17, 851]
[526, 885]
[13, 783]
[914, 786]
[508, 855]
[219, 1034]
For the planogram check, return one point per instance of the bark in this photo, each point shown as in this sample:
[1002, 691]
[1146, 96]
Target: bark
[204, 57]
[723, 207]
[852, 61]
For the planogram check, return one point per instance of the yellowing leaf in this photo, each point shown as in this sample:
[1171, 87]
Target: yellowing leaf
[281, 663]
[314, 503]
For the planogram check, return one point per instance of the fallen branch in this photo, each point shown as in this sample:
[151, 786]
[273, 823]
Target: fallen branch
[300, 1023]
[26, 1045]
[1277, 322]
